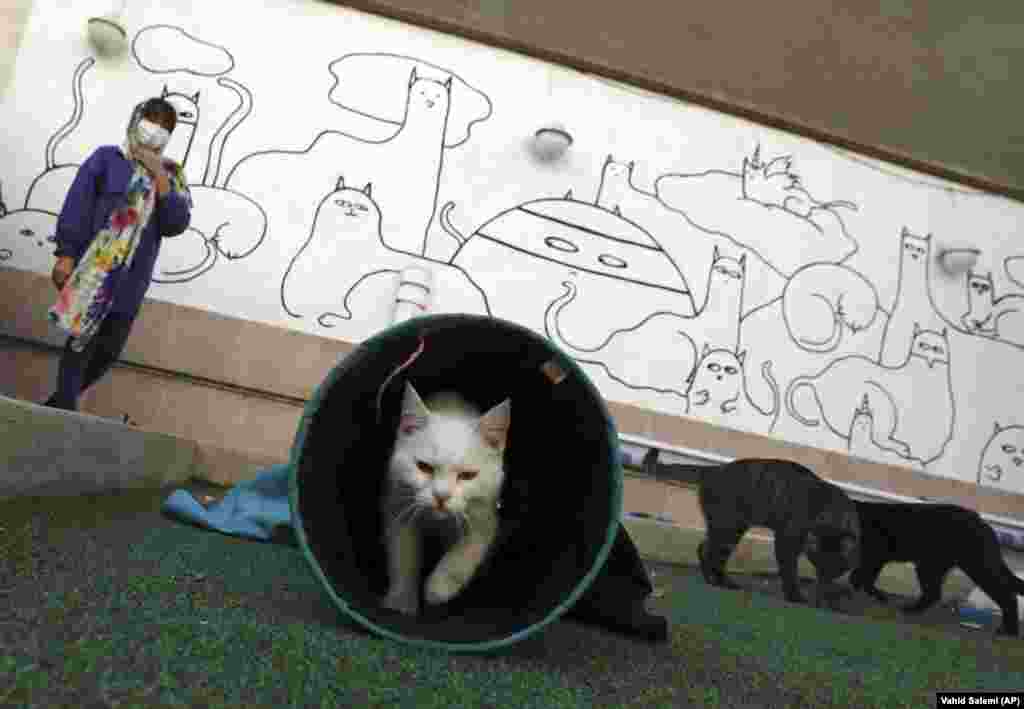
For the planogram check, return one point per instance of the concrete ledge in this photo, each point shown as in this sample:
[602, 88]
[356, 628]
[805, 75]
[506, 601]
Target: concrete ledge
[672, 544]
[47, 451]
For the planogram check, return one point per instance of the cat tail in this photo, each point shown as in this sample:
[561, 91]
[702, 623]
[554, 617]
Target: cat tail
[799, 383]
[215, 153]
[76, 114]
[830, 343]
[678, 472]
[554, 331]
[446, 224]
[766, 372]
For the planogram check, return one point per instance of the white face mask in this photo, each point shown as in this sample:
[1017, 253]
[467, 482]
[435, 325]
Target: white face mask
[152, 135]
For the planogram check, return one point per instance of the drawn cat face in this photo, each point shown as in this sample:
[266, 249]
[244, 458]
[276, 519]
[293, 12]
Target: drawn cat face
[930, 345]
[428, 95]
[187, 107]
[979, 288]
[446, 460]
[727, 270]
[352, 206]
[1003, 454]
[719, 372]
[915, 249]
[614, 169]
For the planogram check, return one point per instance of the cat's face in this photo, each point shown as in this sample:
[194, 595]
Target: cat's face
[1004, 454]
[186, 106]
[932, 346]
[979, 288]
[727, 270]
[618, 170]
[448, 462]
[428, 95]
[914, 248]
[720, 372]
[353, 207]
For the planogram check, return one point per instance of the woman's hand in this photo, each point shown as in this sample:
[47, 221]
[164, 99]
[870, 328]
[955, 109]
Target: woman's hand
[153, 162]
[62, 271]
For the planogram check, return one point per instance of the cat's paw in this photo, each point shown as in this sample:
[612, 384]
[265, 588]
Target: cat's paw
[406, 603]
[442, 586]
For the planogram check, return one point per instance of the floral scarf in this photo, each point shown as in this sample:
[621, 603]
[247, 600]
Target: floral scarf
[88, 295]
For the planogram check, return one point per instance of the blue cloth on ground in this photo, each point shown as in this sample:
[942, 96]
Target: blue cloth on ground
[250, 509]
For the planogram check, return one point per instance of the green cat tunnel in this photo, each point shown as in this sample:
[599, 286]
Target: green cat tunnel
[561, 503]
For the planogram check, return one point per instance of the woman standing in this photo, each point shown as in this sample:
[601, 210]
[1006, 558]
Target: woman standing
[123, 201]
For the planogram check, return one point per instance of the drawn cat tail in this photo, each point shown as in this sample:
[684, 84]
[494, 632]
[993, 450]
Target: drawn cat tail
[795, 385]
[677, 472]
[554, 312]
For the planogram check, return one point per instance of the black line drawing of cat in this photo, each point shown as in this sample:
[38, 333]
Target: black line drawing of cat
[616, 185]
[712, 201]
[999, 318]
[914, 411]
[322, 277]
[824, 300]
[861, 441]
[774, 184]
[180, 145]
[913, 307]
[716, 323]
[717, 391]
[407, 196]
[1002, 459]
[626, 355]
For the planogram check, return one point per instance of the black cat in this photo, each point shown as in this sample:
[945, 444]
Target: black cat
[935, 538]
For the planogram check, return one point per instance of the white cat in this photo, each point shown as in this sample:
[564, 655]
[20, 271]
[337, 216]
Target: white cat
[446, 467]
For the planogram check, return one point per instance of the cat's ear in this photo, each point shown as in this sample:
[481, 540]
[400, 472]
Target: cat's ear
[740, 356]
[743, 260]
[568, 195]
[616, 210]
[714, 253]
[917, 329]
[706, 351]
[632, 164]
[414, 412]
[608, 160]
[165, 92]
[448, 83]
[412, 76]
[341, 183]
[495, 423]
[367, 189]
[945, 332]
[903, 231]
[997, 430]
[195, 97]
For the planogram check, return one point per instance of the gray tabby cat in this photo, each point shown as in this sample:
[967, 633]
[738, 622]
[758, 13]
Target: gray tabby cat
[446, 469]
[807, 515]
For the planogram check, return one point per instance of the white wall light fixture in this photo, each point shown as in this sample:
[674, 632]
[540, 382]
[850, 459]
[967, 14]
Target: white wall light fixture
[107, 34]
[958, 260]
[550, 142]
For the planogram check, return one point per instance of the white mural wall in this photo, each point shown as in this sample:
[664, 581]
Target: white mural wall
[694, 263]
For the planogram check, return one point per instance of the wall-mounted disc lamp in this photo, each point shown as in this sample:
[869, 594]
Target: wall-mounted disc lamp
[550, 142]
[107, 34]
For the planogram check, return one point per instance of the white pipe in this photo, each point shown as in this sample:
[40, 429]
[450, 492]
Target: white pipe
[413, 294]
[717, 459]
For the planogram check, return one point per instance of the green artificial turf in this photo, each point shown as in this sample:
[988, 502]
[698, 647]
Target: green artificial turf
[185, 617]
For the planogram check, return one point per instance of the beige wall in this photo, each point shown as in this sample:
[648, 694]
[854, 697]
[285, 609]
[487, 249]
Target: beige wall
[13, 16]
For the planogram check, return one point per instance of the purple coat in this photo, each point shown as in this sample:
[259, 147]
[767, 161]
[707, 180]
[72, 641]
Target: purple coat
[99, 187]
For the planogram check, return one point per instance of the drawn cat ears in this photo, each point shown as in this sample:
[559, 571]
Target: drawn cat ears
[864, 408]
[413, 76]
[166, 93]
[740, 356]
[998, 429]
[366, 190]
[918, 331]
[906, 232]
[609, 160]
[715, 254]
